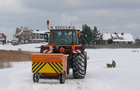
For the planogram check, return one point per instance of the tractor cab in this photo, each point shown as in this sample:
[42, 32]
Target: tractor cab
[63, 35]
[63, 38]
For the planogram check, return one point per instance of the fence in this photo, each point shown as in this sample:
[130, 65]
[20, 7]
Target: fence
[113, 46]
[12, 56]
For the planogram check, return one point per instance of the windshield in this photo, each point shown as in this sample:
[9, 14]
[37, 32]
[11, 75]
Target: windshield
[75, 37]
[62, 37]
[49, 42]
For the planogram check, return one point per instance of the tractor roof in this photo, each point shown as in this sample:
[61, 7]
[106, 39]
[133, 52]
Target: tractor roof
[62, 28]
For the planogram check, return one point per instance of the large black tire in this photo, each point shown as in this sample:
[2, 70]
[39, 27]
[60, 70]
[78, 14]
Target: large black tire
[62, 78]
[41, 49]
[85, 64]
[79, 66]
[68, 65]
[36, 77]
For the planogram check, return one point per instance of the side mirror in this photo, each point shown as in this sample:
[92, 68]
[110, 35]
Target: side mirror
[46, 37]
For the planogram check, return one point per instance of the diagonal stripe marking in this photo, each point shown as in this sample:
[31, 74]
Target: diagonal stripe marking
[61, 64]
[52, 67]
[35, 65]
[56, 67]
[60, 68]
[38, 67]
[41, 67]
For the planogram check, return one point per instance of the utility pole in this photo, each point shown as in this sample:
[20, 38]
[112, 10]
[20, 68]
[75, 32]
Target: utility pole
[71, 23]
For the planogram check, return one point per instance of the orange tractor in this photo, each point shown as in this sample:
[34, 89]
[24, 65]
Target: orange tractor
[62, 53]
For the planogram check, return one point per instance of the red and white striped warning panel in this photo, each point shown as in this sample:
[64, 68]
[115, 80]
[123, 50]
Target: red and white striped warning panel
[76, 51]
[47, 51]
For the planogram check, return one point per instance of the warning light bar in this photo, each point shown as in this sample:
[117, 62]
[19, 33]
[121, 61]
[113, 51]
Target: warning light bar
[62, 27]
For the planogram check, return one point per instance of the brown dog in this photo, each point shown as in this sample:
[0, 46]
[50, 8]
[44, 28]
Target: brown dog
[111, 65]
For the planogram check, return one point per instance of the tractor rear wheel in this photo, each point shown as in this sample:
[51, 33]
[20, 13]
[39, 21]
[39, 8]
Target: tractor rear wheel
[68, 64]
[79, 66]
[85, 64]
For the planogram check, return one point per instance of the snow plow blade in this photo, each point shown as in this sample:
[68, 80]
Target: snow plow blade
[49, 63]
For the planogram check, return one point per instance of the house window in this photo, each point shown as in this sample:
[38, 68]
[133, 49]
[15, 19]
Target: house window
[23, 33]
[26, 41]
[26, 37]
[26, 33]
[30, 37]
[16, 36]
[22, 37]
[29, 33]
[22, 41]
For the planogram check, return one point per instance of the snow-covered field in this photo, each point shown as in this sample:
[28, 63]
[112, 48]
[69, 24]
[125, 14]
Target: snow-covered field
[126, 75]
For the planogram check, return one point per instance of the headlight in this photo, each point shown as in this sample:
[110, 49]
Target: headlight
[51, 48]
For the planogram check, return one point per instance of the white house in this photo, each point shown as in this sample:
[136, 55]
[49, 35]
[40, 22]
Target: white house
[38, 35]
[118, 38]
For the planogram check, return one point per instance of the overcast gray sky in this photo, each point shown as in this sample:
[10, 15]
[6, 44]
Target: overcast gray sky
[108, 15]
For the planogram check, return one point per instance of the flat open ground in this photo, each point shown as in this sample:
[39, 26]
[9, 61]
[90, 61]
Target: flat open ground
[124, 77]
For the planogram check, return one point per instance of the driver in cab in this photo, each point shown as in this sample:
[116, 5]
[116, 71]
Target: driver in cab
[63, 37]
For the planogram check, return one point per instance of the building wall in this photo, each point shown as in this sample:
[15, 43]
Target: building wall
[18, 30]
[4, 37]
[25, 36]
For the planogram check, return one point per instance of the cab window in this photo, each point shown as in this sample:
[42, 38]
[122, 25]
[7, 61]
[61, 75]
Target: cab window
[75, 37]
[62, 37]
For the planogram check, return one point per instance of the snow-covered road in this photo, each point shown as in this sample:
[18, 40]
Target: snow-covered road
[124, 77]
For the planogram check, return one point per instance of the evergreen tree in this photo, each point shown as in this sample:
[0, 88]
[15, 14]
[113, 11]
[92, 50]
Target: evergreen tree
[87, 34]
[110, 41]
[96, 36]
